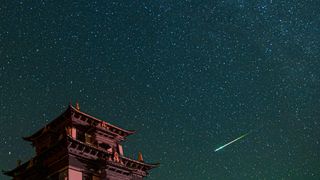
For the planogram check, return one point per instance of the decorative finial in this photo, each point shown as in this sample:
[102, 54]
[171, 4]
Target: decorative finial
[77, 106]
[18, 162]
[140, 158]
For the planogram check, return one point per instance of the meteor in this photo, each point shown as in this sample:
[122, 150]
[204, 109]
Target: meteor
[221, 147]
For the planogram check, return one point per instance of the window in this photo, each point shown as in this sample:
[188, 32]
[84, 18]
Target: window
[95, 178]
[89, 138]
[86, 177]
[63, 175]
[104, 146]
[80, 136]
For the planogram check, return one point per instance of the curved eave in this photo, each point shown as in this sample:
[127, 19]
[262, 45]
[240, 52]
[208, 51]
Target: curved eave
[25, 166]
[17, 169]
[128, 132]
[33, 138]
[35, 135]
[7, 173]
[148, 165]
[88, 145]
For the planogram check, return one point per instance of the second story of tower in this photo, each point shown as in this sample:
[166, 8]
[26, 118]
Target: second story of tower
[81, 127]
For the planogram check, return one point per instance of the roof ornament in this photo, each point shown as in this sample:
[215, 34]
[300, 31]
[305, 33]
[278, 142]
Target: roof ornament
[18, 162]
[140, 158]
[77, 106]
[31, 163]
[116, 157]
[46, 128]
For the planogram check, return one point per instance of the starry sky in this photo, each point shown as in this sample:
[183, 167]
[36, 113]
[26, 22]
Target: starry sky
[188, 76]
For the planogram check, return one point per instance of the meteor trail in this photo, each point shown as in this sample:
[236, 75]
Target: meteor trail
[221, 147]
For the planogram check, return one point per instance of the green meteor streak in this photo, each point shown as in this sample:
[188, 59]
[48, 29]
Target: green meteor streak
[221, 147]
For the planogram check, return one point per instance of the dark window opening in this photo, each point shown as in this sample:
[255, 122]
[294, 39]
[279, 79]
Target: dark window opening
[86, 177]
[80, 136]
[104, 146]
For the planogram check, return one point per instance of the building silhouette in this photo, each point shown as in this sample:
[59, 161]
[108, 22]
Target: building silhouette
[78, 146]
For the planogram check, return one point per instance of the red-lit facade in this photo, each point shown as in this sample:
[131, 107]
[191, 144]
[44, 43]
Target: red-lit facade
[77, 146]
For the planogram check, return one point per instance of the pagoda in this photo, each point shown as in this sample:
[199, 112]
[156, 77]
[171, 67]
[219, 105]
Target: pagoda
[78, 146]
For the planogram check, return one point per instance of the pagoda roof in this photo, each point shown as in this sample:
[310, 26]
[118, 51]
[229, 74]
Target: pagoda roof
[133, 161]
[70, 108]
[34, 160]
[20, 168]
[129, 132]
[127, 162]
[45, 128]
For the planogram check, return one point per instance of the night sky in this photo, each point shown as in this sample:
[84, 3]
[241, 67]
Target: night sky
[188, 76]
